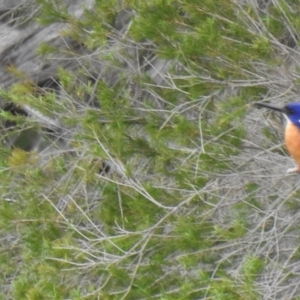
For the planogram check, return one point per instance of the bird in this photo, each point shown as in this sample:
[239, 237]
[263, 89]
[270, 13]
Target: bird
[291, 111]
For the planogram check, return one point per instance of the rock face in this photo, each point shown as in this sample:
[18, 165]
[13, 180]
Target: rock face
[22, 36]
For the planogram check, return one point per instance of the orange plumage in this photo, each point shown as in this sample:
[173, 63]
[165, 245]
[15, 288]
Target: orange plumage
[292, 141]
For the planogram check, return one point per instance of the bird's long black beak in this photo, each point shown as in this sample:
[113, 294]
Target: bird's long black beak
[270, 107]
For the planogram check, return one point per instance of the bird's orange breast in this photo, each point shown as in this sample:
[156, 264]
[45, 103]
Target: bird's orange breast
[292, 140]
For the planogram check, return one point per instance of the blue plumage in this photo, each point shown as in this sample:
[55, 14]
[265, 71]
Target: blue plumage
[292, 111]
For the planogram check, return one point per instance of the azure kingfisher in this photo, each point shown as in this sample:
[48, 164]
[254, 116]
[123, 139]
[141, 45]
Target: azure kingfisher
[292, 130]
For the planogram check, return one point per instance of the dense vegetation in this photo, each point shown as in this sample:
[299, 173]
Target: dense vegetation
[153, 177]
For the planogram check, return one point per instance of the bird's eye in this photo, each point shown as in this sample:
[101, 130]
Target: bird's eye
[289, 111]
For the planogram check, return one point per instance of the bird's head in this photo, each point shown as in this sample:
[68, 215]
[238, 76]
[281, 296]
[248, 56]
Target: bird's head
[291, 110]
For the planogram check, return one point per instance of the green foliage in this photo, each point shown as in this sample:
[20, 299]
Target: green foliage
[46, 50]
[52, 12]
[160, 224]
